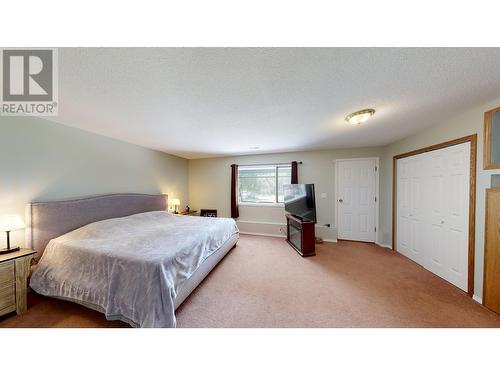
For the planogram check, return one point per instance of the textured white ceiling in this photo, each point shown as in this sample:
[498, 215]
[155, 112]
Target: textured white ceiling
[201, 102]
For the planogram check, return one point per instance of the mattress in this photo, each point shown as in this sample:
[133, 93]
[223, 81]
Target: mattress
[138, 268]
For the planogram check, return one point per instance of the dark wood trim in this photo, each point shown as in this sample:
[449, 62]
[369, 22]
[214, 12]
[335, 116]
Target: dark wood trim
[487, 163]
[472, 196]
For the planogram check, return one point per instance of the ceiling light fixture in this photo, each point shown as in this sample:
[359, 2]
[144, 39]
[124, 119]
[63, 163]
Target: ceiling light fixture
[359, 117]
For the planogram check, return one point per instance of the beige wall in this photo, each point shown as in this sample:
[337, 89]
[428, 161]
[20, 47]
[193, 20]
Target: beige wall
[42, 160]
[210, 179]
[470, 122]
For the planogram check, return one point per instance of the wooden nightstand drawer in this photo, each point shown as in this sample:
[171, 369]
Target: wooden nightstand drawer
[14, 271]
[7, 273]
[7, 297]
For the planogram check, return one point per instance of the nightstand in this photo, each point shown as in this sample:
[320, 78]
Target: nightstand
[189, 213]
[14, 272]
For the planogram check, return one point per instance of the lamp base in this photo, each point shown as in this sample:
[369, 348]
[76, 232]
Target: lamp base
[9, 250]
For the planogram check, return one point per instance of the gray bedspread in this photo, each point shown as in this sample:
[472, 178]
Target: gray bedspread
[130, 267]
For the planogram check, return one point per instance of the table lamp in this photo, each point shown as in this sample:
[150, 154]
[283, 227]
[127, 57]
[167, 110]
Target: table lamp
[175, 202]
[9, 223]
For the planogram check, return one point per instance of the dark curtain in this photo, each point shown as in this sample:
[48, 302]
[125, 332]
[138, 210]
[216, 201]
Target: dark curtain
[235, 212]
[295, 175]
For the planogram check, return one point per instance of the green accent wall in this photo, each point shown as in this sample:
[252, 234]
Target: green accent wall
[43, 160]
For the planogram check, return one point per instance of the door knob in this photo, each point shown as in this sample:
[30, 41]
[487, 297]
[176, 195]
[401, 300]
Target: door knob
[341, 200]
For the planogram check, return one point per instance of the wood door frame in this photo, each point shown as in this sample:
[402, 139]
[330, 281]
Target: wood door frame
[488, 124]
[377, 193]
[472, 196]
[489, 191]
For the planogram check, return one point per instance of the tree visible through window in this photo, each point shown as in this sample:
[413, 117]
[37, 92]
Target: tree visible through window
[263, 184]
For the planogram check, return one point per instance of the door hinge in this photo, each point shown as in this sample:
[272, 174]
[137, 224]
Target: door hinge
[375, 199]
[376, 168]
[375, 229]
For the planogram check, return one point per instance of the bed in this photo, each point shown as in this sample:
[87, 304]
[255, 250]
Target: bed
[123, 254]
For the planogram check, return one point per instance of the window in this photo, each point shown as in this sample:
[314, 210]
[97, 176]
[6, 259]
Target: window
[263, 184]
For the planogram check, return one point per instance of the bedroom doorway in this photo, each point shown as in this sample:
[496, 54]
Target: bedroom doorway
[356, 191]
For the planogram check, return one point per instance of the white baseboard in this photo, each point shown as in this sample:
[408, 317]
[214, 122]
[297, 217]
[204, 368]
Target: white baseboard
[329, 240]
[280, 236]
[260, 222]
[383, 245]
[264, 234]
[270, 229]
[261, 228]
[477, 299]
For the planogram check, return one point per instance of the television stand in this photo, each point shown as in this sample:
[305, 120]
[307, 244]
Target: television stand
[300, 235]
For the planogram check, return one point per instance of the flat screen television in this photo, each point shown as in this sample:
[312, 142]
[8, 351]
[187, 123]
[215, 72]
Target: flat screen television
[300, 201]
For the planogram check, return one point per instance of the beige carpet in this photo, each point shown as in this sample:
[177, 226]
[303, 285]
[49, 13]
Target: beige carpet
[264, 283]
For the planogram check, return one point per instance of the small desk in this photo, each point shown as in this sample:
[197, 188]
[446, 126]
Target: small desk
[14, 272]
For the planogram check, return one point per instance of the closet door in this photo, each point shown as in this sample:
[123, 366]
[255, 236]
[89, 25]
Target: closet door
[433, 211]
[411, 210]
[403, 206]
[417, 209]
[456, 218]
[437, 197]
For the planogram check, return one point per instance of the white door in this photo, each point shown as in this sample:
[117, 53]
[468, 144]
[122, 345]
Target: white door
[411, 210]
[356, 181]
[433, 211]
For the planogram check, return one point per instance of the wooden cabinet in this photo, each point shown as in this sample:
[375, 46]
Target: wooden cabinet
[14, 271]
[300, 235]
[7, 287]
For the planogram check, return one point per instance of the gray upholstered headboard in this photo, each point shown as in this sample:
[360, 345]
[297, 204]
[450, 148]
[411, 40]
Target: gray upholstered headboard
[48, 220]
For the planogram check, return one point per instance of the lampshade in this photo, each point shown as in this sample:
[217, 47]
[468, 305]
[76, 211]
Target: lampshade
[11, 222]
[175, 202]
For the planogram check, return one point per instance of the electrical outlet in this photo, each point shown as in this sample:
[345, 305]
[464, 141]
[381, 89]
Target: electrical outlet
[323, 195]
